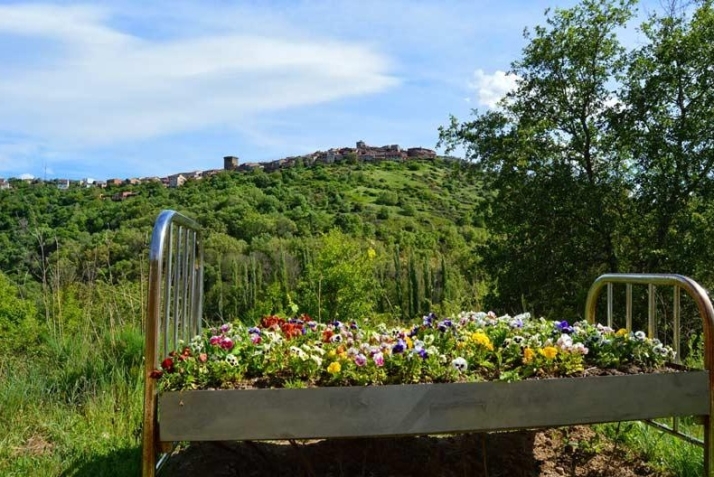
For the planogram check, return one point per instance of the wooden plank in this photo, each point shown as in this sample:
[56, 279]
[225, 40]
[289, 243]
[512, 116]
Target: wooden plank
[427, 408]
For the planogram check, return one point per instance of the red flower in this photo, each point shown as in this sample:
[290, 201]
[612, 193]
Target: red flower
[291, 330]
[168, 365]
[272, 321]
[156, 374]
[326, 335]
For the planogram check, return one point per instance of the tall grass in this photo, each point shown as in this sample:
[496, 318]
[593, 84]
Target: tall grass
[71, 403]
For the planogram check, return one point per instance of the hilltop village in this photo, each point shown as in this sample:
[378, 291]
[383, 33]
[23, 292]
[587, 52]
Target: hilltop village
[361, 153]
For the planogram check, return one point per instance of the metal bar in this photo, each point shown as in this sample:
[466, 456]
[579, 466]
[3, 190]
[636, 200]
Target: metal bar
[177, 285]
[184, 288]
[609, 305]
[167, 290]
[676, 338]
[674, 432]
[628, 307]
[706, 311]
[651, 310]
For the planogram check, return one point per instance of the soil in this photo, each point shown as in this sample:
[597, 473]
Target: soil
[574, 451]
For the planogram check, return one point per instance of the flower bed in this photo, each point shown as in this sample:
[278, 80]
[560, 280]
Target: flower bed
[300, 352]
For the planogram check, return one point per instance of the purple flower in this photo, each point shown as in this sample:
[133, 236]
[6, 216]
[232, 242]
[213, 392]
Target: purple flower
[254, 330]
[353, 325]
[378, 359]
[225, 328]
[444, 325]
[337, 324]
[422, 353]
[563, 327]
[360, 360]
[312, 324]
[429, 319]
[399, 347]
[414, 332]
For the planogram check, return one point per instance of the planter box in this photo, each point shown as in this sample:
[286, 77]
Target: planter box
[256, 414]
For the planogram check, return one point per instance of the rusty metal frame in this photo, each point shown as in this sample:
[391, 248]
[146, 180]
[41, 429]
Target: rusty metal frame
[706, 311]
[175, 308]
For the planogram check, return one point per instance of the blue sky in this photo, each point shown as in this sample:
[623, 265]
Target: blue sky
[133, 89]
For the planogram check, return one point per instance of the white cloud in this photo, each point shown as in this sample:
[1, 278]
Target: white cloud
[491, 88]
[98, 86]
[26, 176]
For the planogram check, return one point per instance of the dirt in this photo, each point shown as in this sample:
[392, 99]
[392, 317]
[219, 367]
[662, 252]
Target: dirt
[574, 451]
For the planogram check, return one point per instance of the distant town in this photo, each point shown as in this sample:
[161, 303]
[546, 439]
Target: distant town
[361, 153]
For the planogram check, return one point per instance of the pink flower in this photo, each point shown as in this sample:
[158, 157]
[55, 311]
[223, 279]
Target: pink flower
[378, 359]
[227, 343]
[255, 338]
[215, 340]
[360, 360]
[203, 357]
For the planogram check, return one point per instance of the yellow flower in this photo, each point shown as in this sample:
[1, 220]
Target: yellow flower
[549, 352]
[371, 253]
[621, 332]
[410, 343]
[482, 339]
[334, 367]
[528, 355]
[332, 353]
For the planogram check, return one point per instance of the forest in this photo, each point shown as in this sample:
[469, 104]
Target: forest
[600, 160]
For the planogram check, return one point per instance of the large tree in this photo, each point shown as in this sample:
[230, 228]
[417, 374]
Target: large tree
[554, 163]
[666, 126]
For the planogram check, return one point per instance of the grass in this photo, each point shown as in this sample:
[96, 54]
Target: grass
[73, 410]
[665, 453]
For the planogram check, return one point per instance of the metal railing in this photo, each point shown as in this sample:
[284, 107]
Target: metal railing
[706, 311]
[175, 307]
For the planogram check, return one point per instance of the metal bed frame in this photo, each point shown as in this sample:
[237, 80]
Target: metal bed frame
[175, 311]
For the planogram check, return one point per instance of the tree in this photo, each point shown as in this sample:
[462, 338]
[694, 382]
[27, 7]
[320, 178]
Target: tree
[555, 166]
[665, 126]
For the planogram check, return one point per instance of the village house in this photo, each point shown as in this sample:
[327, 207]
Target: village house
[5, 184]
[114, 182]
[177, 180]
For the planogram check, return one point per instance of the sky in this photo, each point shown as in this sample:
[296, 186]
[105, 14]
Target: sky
[137, 89]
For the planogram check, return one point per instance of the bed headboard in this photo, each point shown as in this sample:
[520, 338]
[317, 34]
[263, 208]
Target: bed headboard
[175, 305]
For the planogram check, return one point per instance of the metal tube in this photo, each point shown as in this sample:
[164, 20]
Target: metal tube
[651, 311]
[676, 337]
[167, 289]
[177, 284]
[628, 307]
[609, 305]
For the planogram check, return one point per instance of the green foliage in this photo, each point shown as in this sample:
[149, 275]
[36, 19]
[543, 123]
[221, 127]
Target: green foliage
[339, 281]
[600, 159]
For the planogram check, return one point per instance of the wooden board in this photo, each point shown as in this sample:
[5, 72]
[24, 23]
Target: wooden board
[256, 414]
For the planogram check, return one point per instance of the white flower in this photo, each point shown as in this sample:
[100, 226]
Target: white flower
[428, 339]
[579, 348]
[302, 355]
[565, 342]
[640, 335]
[460, 364]
[232, 360]
[316, 359]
